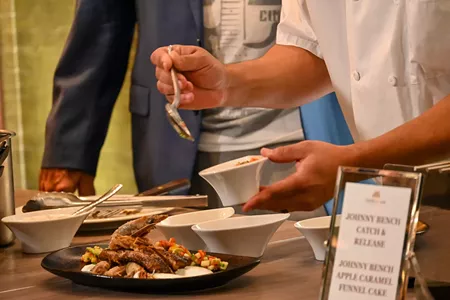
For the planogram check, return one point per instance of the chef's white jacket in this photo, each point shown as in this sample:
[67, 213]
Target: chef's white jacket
[389, 60]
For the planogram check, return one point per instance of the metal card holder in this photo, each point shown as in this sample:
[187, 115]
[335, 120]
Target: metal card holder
[392, 178]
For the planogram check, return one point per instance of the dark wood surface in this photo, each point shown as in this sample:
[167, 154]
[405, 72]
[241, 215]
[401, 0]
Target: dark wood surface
[287, 271]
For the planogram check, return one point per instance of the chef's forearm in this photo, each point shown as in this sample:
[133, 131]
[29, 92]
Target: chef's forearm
[422, 140]
[273, 81]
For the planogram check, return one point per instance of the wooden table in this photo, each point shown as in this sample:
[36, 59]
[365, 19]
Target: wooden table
[287, 271]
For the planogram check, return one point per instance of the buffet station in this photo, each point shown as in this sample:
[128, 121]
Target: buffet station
[386, 239]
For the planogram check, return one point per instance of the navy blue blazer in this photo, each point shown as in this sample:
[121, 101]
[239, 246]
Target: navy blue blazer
[90, 74]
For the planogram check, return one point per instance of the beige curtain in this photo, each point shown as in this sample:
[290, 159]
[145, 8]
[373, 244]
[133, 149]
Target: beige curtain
[32, 35]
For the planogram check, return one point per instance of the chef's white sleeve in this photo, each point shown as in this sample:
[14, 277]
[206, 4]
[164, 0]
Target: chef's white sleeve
[295, 27]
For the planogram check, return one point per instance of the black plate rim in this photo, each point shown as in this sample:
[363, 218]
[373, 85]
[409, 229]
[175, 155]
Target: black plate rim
[71, 275]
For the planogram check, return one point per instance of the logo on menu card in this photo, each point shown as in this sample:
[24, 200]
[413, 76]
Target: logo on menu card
[376, 198]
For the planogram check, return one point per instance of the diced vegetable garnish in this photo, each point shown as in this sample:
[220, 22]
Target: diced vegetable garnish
[172, 246]
[223, 265]
[91, 255]
[198, 259]
[205, 263]
[96, 250]
[88, 257]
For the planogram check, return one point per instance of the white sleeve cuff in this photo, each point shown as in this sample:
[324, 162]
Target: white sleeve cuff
[288, 39]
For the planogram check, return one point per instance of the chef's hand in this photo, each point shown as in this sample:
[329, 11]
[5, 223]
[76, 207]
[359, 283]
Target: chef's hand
[311, 185]
[202, 77]
[69, 181]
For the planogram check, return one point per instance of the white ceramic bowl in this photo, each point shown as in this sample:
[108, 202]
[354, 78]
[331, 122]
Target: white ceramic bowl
[47, 230]
[235, 184]
[245, 236]
[180, 226]
[316, 231]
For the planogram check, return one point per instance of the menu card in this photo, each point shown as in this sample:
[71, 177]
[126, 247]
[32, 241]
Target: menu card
[370, 244]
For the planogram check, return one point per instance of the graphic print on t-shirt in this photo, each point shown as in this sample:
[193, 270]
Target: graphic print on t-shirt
[237, 30]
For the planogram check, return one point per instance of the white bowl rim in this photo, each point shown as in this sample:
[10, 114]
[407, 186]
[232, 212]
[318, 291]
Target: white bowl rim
[230, 211]
[212, 170]
[282, 217]
[301, 224]
[10, 219]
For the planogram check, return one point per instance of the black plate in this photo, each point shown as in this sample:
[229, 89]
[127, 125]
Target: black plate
[66, 263]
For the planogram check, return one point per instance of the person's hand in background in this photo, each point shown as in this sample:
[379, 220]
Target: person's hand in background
[69, 181]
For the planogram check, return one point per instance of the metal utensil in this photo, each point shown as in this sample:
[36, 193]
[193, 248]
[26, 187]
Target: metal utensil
[101, 214]
[50, 200]
[172, 109]
[103, 198]
[44, 201]
[166, 188]
[4, 151]
[7, 203]
[108, 213]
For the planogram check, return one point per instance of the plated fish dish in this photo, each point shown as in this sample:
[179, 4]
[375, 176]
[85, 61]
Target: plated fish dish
[132, 254]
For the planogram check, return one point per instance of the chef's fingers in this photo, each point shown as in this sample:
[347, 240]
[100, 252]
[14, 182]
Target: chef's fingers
[185, 49]
[190, 58]
[279, 196]
[166, 77]
[165, 89]
[161, 58]
[168, 89]
[185, 100]
[286, 154]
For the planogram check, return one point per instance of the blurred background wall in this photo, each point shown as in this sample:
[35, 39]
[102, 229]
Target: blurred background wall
[32, 36]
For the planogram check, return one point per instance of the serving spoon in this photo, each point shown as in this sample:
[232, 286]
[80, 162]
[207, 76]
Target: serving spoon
[172, 109]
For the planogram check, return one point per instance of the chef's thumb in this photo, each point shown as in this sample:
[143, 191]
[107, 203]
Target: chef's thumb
[284, 154]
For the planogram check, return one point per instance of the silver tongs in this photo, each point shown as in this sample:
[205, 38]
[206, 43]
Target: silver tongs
[53, 200]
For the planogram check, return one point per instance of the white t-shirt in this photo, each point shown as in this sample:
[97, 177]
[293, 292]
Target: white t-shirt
[388, 60]
[238, 31]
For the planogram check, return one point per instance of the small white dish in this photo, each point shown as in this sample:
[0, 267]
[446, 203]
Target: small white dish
[234, 182]
[180, 226]
[47, 230]
[244, 236]
[316, 231]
